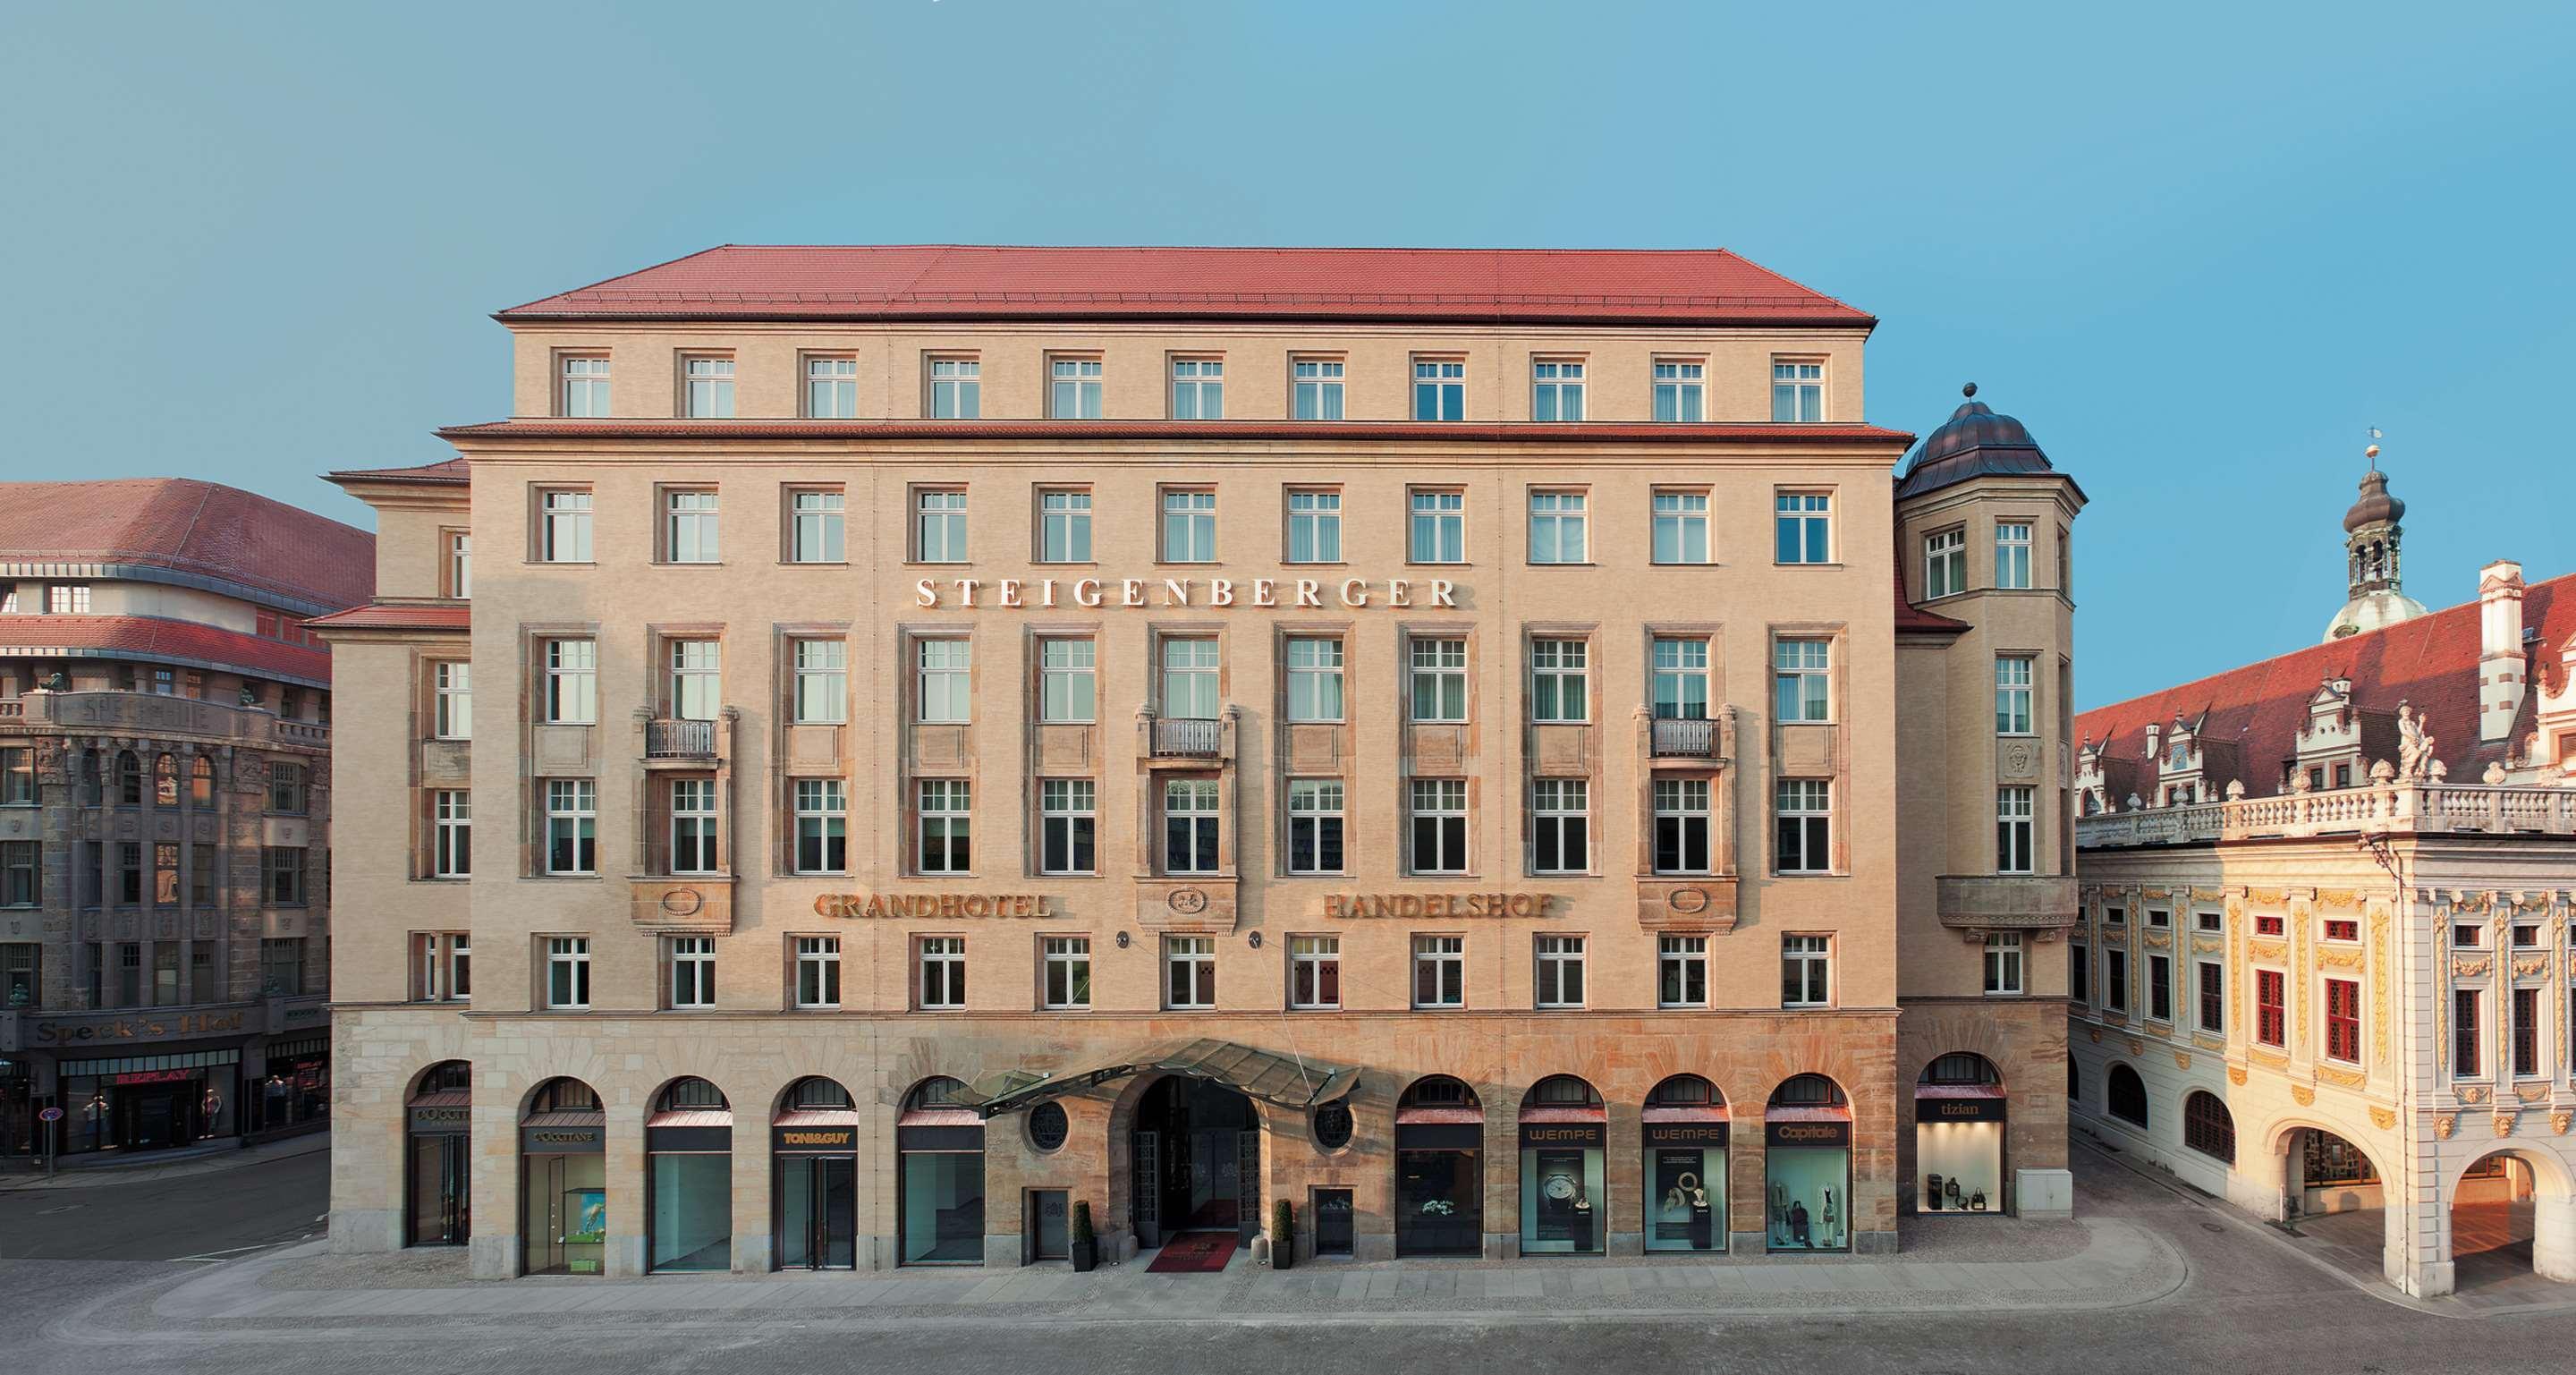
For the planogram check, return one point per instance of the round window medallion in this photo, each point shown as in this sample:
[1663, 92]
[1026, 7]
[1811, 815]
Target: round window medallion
[682, 902]
[1333, 1126]
[1687, 900]
[1048, 1127]
[1187, 901]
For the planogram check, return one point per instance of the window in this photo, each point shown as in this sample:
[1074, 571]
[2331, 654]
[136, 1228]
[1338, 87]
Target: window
[1439, 389]
[451, 851]
[1189, 527]
[67, 599]
[129, 779]
[697, 679]
[692, 960]
[2271, 1007]
[1805, 818]
[693, 825]
[1806, 971]
[1315, 826]
[572, 682]
[165, 874]
[2464, 936]
[1439, 529]
[1315, 527]
[2343, 1021]
[2079, 972]
[1439, 679]
[1677, 391]
[568, 972]
[452, 689]
[1189, 972]
[1314, 971]
[689, 526]
[572, 826]
[1945, 563]
[2208, 1127]
[443, 965]
[1556, 390]
[281, 967]
[281, 875]
[2012, 554]
[201, 878]
[1068, 972]
[566, 530]
[939, 527]
[822, 826]
[1439, 825]
[707, 388]
[1439, 971]
[460, 564]
[1068, 816]
[1190, 831]
[2526, 1030]
[1064, 527]
[816, 531]
[1681, 971]
[2115, 980]
[1560, 971]
[2348, 929]
[942, 960]
[831, 388]
[1803, 527]
[1557, 528]
[2125, 1095]
[1797, 391]
[2466, 1004]
[822, 681]
[2003, 964]
[286, 788]
[1316, 386]
[1314, 679]
[2159, 988]
[944, 821]
[1190, 679]
[1068, 680]
[1681, 527]
[2014, 823]
[818, 971]
[18, 874]
[1076, 391]
[2211, 984]
[17, 777]
[2525, 937]
[1680, 679]
[1801, 671]
[585, 388]
[2210, 923]
[1560, 826]
[1198, 389]
[946, 674]
[2263, 925]
[957, 388]
[2012, 695]
[1681, 825]
[1560, 680]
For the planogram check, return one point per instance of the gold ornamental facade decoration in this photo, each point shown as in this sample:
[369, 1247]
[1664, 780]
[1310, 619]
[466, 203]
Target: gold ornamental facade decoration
[2267, 950]
[2471, 1093]
[2302, 1095]
[2156, 894]
[2469, 969]
[2158, 940]
[2268, 1059]
[2340, 1078]
[2504, 1124]
[2236, 1075]
[2299, 996]
[2339, 959]
[2205, 945]
[2236, 975]
[2265, 897]
[2207, 1042]
[2207, 894]
[2558, 1122]
[2531, 1093]
[2379, 984]
[2095, 1033]
[2182, 1059]
[2338, 897]
[2444, 1125]
[2137, 1046]
[2525, 968]
[2383, 1118]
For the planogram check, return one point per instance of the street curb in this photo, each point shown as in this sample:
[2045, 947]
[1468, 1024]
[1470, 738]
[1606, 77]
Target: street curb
[143, 1172]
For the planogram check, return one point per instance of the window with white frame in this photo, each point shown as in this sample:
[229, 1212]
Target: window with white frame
[1560, 681]
[697, 679]
[1803, 808]
[2015, 819]
[708, 390]
[567, 972]
[1190, 678]
[2003, 963]
[818, 971]
[939, 526]
[693, 826]
[460, 563]
[1314, 678]
[572, 682]
[451, 850]
[1556, 389]
[942, 964]
[1439, 668]
[2160, 990]
[2012, 554]
[1677, 390]
[831, 387]
[1439, 389]
[1068, 680]
[1314, 972]
[692, 961]
[1680, 678]
[1068, 817]
[1315, 825]
[443, 966]
[1681, 825]
[1189, 972]
[585, 387]
[822, 682]
[1316, 388]
[2115, 979]
[1190, 826]
[1198, 389]
[1189, 526]
[1802, 527]
[566, 526]
[943, 822]
[1560, 971]
[822, 826]
[1797, 390]
[945, 673]
[689, 526]
[1439, 814]
[1560, 825]
[1945, 563]
[451, 684]
[817, 527]
[2210, 984]
[67, 599]
[2013, 675]
[1806, 971]
[1064, 526]
[1438, 533]
[1558, 528]
[1075, 390]
[572, 826]
[1314, 527]
[1681, 971]
[1067, 983]
[1802, 674]
[957, 388]
[1681, 527]
[1439, 971]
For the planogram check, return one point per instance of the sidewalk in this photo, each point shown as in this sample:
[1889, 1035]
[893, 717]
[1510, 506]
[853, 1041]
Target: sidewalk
[179, 1164]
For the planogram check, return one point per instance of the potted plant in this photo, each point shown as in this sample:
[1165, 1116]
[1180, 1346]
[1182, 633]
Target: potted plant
[1283, 1235]
[1084, 1246]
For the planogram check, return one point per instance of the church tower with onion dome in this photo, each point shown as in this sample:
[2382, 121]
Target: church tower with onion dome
[2371, 534]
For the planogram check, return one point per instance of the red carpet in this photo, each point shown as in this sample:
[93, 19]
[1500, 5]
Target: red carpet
[1193, 1253]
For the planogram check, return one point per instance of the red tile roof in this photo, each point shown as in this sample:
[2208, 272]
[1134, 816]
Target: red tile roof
[266, 549]
[153, 638]
[2430, 663]
[451, 471]
[1912, 617]
[968, 282]
[1515, 432]
[398, 616]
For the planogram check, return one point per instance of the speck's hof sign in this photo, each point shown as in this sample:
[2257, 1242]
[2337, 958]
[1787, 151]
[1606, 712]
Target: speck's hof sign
[932, 906]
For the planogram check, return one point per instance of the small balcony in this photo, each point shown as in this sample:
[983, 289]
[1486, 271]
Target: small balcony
[1185, 740]
[1673, 738]
[667, 738]
[1975, 904]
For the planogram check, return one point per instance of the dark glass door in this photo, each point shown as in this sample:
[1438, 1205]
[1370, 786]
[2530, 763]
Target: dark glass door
[1333, 1224]
[1048, 1219]
[440, 1190]
[1439, 1203]
[817, 1212]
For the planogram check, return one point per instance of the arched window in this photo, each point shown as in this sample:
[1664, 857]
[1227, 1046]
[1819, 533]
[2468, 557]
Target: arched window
[2207, 1126]
[690, 1093]
[1961, 1067]
[129, 779]
[1808, 1091]
[447, 1076]
[2126, 1095]
[1438, 1091]
[563, 1095]
[939, 1091]
[165, 782]
[1683, 1091]
[818, 1092]
[201, 782]
[1562, 1091]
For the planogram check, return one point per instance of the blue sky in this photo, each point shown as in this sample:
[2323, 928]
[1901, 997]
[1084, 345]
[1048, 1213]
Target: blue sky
[2198, 252]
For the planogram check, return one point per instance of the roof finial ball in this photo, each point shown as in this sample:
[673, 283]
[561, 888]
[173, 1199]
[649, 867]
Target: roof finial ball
[1969, 390]
[2372, 453]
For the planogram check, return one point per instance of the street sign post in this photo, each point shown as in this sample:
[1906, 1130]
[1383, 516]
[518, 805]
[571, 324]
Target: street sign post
[49, 1117]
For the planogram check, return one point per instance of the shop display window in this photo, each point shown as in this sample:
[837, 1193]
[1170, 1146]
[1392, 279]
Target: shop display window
[1684, 1161]
[1807, 1157]
[1564, 1201]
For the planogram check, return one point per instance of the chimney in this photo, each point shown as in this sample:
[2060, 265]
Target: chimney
[2501, 669]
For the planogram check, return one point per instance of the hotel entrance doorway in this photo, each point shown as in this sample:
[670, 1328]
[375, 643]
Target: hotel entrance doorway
[1196, 1156]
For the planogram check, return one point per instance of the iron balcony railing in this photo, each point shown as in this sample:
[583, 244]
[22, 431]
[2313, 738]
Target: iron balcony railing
[672, 739]
[1185, 737]
[1674, 738]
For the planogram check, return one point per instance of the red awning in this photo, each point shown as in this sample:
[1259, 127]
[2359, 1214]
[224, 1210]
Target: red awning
[444, 1098]
[1709, 1114]
[592, 1117]
[1564, 1112]
[816, 1117]
[1807, 1115]
[937, 1117]
[691, 1117]
[1458, 1116]
[1958, 1091]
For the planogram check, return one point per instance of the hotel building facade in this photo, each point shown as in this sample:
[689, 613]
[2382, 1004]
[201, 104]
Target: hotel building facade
[1477, 746]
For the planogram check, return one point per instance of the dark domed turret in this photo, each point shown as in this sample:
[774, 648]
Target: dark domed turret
[2375, 505]
[1973, 442]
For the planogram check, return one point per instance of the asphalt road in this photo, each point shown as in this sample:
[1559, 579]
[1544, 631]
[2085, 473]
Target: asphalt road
[189, 1216]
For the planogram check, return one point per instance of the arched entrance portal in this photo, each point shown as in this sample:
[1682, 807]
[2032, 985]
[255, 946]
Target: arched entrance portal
[1196, 1161]
[2511, 1218]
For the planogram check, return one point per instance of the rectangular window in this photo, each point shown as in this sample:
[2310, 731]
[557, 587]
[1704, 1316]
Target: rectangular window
[1189, 527]
[1315, 825]
[17, 777]
[692, 961]
[942, 961]
[1439, 817]
[957, 388]
[2003, 964]
[1439, 389]
[1314, 971]
[1560, 971]
[1805, 815]
[2159, 988]
[1438, 533]
[1680, 679]
[1190, 679]
[572, 826]
[1802, 527]
[1803, 679]
[1439, 670]
[831, 388]
[2347, 929]
[2526, 1031]
[939, 527]
[818, 971]
[1189, 972]
[697, 679]
[572, 682]
[1556, 390]
[165, 874]
[1560, 681]
[1314, 679]
[451, 852]
[2012, 554]
[1439, 971]
[281, 875]
[1945, 563]
[1075, 394]
[1681, 825]
[1068, 681]
[1190, 826]
[1316, 388]
[693, 825]
[1797, 391]
[1681, 527]
[2115, 980]
[2079, 967]
[689, 527]
[2466, 1003]
[1064, 527]
[2015, 820]
[568, 972]
[451, 684]
[2343, 1020]
[460, 564]
[201, 877]
[1198, 389]
[1068, 973]
[817, 527]
[67, 599]
[281, 968]
[286, 788]
[442, 965]
[1681, 971]
[945, 826]
[1806, 971]
[1315, 527]
[2210, 982]
[822, 682]
[1677, 391]
[945, 678]
[2271, 1007]
[708, 388]
[565, 535]
[1558, 528]
[1068, 818]
[1560, 826]
[585, 388]
[19, 886]
[822, 826]
[2209, 922]
[2013, 695]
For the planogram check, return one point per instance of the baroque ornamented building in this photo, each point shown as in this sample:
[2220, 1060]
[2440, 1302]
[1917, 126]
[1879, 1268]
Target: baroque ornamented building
[165, 813]
[2326, 952]
[961, 733]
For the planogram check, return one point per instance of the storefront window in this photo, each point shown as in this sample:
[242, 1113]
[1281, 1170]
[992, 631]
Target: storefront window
[1959, 1113]
[148, 1102]
[564, 1185]
[297, 1086]
[1684, 1157]
[813, 1141]
[688, 1144]
[1807, 1155]
[1564, 1204]
[939, 1162]
[439, 1192]
[1439, 1170]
